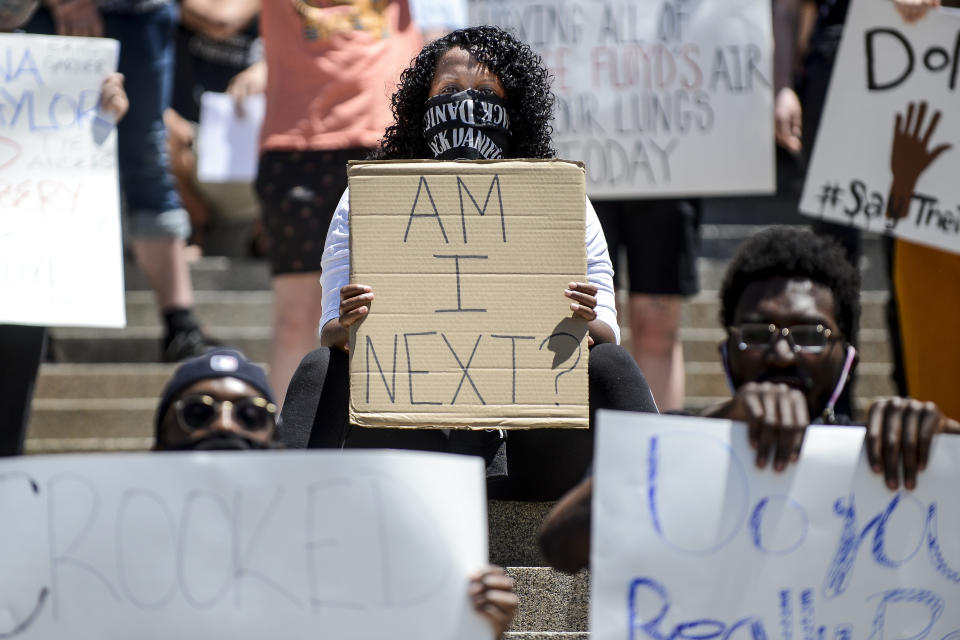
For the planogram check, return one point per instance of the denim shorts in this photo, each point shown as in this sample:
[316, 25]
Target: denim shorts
[146, 61]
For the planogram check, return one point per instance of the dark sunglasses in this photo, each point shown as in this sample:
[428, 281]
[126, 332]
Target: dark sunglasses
[198, 411]
[802, 338]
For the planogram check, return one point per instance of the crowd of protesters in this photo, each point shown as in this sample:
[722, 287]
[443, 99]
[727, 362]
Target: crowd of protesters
[789, 301]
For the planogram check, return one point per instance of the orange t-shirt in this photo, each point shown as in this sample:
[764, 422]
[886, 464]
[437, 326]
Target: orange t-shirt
[332, 67]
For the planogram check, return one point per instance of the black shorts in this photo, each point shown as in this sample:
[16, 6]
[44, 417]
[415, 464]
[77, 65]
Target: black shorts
[298, 192]
[662, 240]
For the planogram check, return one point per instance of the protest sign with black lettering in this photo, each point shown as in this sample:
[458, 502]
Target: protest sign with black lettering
[468, 263]
[691, 540]
[345, 545]
[61, 261]
[656, 97]
[886, 154]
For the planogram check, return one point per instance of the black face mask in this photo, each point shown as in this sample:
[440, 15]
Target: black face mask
[222, 442]
[470, 125]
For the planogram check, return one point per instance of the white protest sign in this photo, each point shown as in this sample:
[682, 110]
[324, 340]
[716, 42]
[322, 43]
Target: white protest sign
[61, 260]
[886, 154]
[690, 540]
[655, 97]
[282, 544]
[228, 141]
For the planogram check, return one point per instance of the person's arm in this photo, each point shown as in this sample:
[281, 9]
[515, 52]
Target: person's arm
[76, 17]
[603, 326]
[913, 10]
[788, 114]
[564, 535]
[218, 19]
[113, 97]
[249, 82]
[16, 13]
[335, 275]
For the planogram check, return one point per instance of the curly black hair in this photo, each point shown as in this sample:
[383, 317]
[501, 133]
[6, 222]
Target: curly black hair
[529, 100]
[791, 253]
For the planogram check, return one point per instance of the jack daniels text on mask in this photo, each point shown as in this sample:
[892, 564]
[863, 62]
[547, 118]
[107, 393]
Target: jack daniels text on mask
[469, 125]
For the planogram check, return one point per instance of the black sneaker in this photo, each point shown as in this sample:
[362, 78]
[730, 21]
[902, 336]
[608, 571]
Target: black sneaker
[183, 345]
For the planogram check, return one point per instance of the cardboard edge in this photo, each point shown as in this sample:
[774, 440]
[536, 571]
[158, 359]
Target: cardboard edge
[357, 168]
[456, 421]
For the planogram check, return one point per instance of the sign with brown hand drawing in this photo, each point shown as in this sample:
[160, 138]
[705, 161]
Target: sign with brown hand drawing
[885, 155]
[468, 263]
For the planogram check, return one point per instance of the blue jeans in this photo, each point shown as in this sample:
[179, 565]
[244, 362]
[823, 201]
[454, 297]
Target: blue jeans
[146, 61]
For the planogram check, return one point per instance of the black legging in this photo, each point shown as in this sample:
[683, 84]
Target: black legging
[21, 350]
[540, 464]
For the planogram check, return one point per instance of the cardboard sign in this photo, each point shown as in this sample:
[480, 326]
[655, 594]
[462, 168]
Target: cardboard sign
[656, 97]
[346, 545]
[887, 151]
[468, 262]
[61, 260]
[690, 540]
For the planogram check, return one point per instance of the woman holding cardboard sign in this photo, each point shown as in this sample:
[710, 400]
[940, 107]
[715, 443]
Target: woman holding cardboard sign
[483, 80]
[490, 71]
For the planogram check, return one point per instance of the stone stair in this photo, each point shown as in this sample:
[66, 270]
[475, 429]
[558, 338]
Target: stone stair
[101, 391]
[552, 604]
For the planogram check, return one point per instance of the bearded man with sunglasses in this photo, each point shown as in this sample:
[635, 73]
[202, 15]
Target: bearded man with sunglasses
[219, 400]
[789, 302]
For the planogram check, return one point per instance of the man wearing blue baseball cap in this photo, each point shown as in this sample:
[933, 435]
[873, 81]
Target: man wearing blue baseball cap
[219, 400]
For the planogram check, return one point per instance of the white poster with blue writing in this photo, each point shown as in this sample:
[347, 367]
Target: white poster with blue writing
[656, 97]
[888, 148]
[246, 546]
[691, 541]
[61, 261]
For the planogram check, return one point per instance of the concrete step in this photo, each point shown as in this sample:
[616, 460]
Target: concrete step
[211, 274]
[142, 344]
[60, 425]
[513, 532]
[213, 308]
[87, 380]
[255, 308]
[718, 244]
[546, 635]
[91, 424]
[550, 600]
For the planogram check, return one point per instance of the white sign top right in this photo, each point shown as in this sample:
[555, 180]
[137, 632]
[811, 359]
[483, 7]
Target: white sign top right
[887, 152]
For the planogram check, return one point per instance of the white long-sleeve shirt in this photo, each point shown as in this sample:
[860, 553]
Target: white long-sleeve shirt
[336, 265]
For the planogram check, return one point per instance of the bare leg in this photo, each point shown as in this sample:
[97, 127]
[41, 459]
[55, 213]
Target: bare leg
[655, 333]
[183, 165]
[297, 308]
[164, 262]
